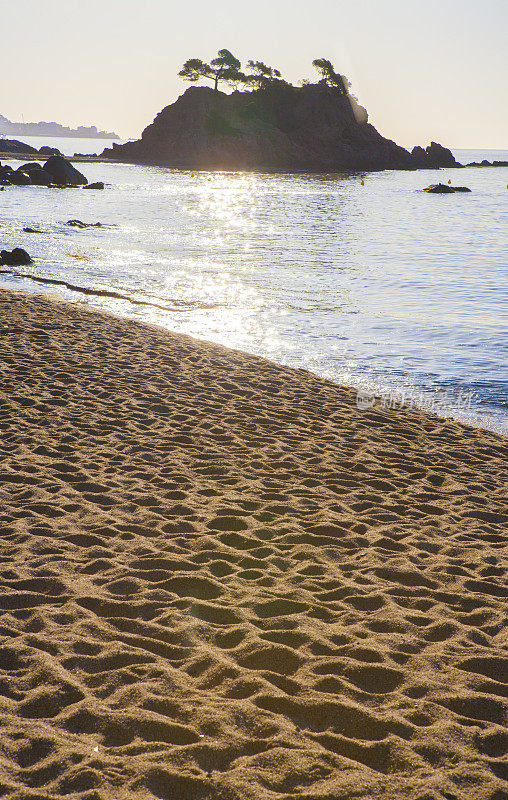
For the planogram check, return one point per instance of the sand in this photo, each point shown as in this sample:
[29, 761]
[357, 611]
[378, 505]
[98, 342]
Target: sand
[221, 580]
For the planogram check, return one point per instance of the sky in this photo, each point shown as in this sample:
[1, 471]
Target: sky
[424, 69]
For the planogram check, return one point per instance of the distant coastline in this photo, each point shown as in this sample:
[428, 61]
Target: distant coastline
[9, 128]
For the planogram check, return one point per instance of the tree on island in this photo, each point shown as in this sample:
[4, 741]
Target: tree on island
[332, 79]
[226, 67]
[261, 75]
[223, 68]
[329, 76]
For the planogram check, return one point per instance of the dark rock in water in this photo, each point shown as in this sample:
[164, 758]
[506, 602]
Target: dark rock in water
[420, 157]
[15, 146]
[32, 230]
[433, 157]
[19, 178]
[63, 172]
[440, 156]
[96, 185]
[486, 163]
[30, 165]
[5, 173]
[442, 188]
[15, 258]
[76, 223]
[439, 188]
[38, 175]
[86, 155]
[49, 151]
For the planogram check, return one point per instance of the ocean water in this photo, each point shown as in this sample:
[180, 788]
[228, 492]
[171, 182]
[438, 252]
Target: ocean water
[377, 286]
[68, 145]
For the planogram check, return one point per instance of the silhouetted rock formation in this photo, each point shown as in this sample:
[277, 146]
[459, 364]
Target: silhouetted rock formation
[433, 157]
[14, 258]
[15, 146]
[442, 188]
[486, 163]
[280, 127]
[63, 171]
[57, 171]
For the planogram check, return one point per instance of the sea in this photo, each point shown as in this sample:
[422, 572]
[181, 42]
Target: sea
[359, 278]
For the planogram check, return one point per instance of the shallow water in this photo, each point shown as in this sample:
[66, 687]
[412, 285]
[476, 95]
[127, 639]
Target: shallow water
[68, 145]
[378, 286]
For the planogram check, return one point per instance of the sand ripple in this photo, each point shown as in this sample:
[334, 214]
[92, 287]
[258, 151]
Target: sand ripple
[220, 580]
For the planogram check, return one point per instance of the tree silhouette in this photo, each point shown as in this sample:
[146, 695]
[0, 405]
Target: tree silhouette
[261, 74]
[329, 76]
[194, 70]
[223, 68]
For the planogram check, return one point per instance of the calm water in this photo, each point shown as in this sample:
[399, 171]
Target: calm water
[68, 145]
[378, 286]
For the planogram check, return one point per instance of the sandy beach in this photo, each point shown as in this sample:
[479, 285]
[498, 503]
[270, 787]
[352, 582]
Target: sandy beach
[221, 580]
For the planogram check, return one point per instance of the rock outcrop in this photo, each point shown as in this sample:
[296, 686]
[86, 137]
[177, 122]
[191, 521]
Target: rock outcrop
[434, 156]
[63, 172]
[310, 128]
[443, 188]
[57, 171]
[14, 258]
[15, 146]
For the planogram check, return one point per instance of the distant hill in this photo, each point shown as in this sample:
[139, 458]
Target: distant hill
[313, 128]
[52, 129]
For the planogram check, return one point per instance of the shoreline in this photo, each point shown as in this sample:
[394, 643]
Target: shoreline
[38, 157]
[221, 579]
[183, 167]
[491, 423]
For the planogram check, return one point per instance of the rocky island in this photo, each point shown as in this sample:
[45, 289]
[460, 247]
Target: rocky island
[271, 125]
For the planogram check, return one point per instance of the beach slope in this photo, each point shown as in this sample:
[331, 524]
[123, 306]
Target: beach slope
[220, 580]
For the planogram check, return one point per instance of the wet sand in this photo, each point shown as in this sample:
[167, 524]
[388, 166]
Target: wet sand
[220, 580]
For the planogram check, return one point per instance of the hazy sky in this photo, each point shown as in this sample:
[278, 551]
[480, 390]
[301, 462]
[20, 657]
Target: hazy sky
[424, 69]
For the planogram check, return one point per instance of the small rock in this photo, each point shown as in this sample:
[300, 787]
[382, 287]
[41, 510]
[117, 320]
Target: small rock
[32, 230]
[15, 258]
[96, 185]
[439, 188]
[49, 151]
[442, 188]
[76, 223]
[5, 173]
[18, 178]
[38, 175]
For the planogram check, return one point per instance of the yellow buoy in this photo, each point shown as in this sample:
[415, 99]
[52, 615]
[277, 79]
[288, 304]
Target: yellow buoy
[363, 183]
[192, 175]
[449, 182]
